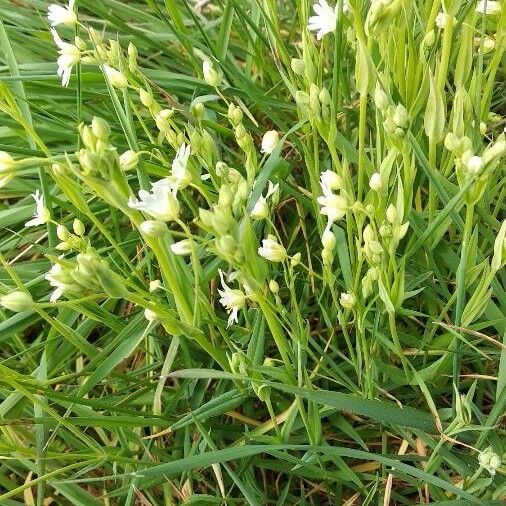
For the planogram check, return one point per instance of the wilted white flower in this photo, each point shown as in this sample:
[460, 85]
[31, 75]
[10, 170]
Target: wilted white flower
[272, 250]
[161, 203]
[179, 166]
[269, 141]
[70, 55]
[58, 15]
[7, 165]
[53, 277]
[375, 182]
[347, 300]
[324, 20]
[260, 210]
[41, 215]
[115, 77]
[232, 300]
[488, 7]
[182, 248]
[128, 160]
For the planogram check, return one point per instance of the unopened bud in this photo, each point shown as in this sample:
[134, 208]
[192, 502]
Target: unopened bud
[298, 66]
[128, 160]
[211, 76]
[153, 228]
[17, 301]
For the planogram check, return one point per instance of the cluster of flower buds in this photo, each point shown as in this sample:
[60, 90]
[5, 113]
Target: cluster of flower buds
[69, 241]
[490, 461]
[380, 15]
[244, 140]
[372, 248]
[316, 106]
[396, 121]
[240, 364]
[86, 274]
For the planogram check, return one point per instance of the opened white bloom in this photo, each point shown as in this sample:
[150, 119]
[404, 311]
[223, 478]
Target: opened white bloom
[180, 164]
[333, 206]
[70, 55]
[488, 7]
[182, 248]
[272, 250]
[232, 300]
[260, 210]
[41, 215]
[59, 15]
[269, 141]
[161, 203]
[59, 286]
[7, 165]
[324, 20]
[115, 77]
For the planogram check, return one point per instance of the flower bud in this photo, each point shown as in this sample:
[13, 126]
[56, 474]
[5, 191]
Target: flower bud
[62, 232]
[100, 129]
[198, 110]
[146, 98]
[298, 66]
[116, 78]
[474, 165]
[400, 116]
[235, 114]
[17, 301]
[155, 285]
[392, 214]
[269, 141]
[271, 250]
[132, 57]
[211, 76]
[375, 182]
[182, 248]
[328, 240]
[153, 228]
[273, 286]
[347, 300]
[78, 228]
[327, 256]
[380, 98]
[150, 315]
[128, 160]
[295, 259]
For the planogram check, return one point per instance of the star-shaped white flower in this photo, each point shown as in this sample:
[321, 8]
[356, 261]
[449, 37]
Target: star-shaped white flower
[179, 165]
[41, 215]
[232, 300]
[161, 203]
[53, 277]
[69, 56]
[59, 15]
[324, 20]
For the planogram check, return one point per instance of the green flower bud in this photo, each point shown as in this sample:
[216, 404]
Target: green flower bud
[17, 301]
[211, 76]
[128, 160]
[298, 66]
[235, 114]
[100, 129]
[62, 232]
[146, 98]
[198, 110]
[153, 228]
[78, 227]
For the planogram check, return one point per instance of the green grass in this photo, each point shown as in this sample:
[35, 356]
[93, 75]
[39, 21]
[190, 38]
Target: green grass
[368, 371]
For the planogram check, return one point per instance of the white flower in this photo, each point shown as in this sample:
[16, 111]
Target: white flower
[182, 248]
[69, 56]
[115, 77]
[269, 141]
[232, 300]
[7, 165]
[333, 206]
[347, 300]
[41, 215]
[272, 250]
[59, 15]
[488, 7]
[52, 276]
[375, 182]
[161, 203]
[260, 210]
[324, 20]
[179, 166]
